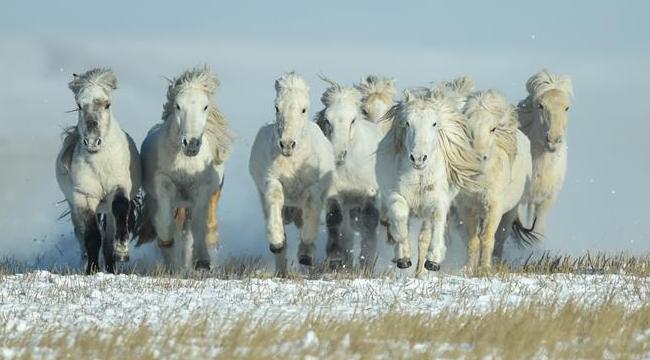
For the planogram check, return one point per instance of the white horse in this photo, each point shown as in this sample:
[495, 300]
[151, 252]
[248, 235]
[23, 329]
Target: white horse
[378, 95]
[422, 163]
[98, 171]
[506, 169]
[354, 142]
[292, 164]
[543, 117]
[183, 161]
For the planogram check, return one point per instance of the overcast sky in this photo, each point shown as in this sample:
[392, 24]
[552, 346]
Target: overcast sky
[603, 46]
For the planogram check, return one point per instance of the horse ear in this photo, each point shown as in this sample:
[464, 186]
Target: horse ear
[407, 96]
[75, 75]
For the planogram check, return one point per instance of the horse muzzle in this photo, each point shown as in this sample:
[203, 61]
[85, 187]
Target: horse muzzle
[92, 145]
[287, 147]
[191, 147]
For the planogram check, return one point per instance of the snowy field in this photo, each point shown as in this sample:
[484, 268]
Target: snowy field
[45, 315]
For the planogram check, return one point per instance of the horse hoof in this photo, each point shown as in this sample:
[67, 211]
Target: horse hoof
[276, 249]
[305, 260]
[404, 263]
[202, 265]
[431, 265]
[165, 243]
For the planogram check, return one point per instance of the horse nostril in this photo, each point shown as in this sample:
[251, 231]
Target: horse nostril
[424, 158]
[412, 158]
[293, 144]
[98, 141]
[85, 141]
[184, 141]
[485, 157]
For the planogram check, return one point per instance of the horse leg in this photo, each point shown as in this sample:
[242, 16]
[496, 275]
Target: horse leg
[369, 221]
[438, 248]
[471, 220]
[163, 220]
[212, 237]
[490, 226]
[347, 240]
[541, 212]
[333, 220]
[311, 212]
[398, 214]
[503, 232]
[200, 231]
[273, 203]
[84, 219]
[120, 209]
[424, 241]
[108, 249]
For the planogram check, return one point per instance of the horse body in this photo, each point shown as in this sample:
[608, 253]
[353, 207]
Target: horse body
[354, 143]
[506, 170]
[98, 171]
[422, 163]
[292, 164]
[183, 164]
[543, 117]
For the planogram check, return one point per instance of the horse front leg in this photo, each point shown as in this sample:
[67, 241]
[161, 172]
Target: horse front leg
[120, 209]
[398, 216]
[84, 219]
[108, 249]
[163, 219]
[334, 221]
[490, 226]
[200, 229]
[438, 249]
[273, 202]
[503, 232]
[311, 211]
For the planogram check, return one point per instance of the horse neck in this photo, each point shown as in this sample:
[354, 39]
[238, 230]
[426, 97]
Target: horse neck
[114, 129]
[171, 135]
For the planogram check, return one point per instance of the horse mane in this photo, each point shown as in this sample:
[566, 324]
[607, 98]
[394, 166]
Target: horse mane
[544, 81]
[462, 85]
[217, 128]
[103, 77]
[334, 93]
[70, 136]
[291, 82]
[460, 159]
[496, 104]
[373, 85]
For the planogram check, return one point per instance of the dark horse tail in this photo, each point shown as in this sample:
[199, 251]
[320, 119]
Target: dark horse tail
[525, 237]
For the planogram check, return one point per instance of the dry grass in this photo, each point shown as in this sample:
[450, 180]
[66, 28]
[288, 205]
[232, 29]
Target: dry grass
[531, 331]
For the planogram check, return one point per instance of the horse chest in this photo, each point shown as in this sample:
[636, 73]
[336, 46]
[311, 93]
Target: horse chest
[420, 192]
[356, 180]
[548, 175]
[100, 174]
[295, 177]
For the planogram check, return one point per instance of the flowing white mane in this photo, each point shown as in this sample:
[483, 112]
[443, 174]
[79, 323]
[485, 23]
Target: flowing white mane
[220, 137]
[101, 77]
[373, 85]
[291, 83]
[496, 104]
[460, 159]
[544, 81]
[336, 93]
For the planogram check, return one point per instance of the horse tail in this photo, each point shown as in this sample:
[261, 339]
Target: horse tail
[525, 237]
[142, 225]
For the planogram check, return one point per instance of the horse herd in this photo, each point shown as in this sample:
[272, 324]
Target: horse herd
[464, 163]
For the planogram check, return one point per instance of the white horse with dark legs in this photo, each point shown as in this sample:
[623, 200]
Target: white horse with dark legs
[543, 117]
[378, 95]
[98, 171]
[506, 168]
[292, 164]
[183, 161]
[422, 163]
[354, 142]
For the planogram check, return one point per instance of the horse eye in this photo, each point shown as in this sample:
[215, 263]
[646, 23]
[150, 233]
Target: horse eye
[205, 108]
[354, 120]
[276, 109]
[78, 106]
[566, 109]
[178, 107]
[108, 105]
[364, 112]
[408, 124]
[540, 106]
[493, 130]
[304, 110]
[434, 124]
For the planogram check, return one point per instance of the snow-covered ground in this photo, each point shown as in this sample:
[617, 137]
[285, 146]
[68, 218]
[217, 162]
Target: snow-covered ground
[41, 299]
